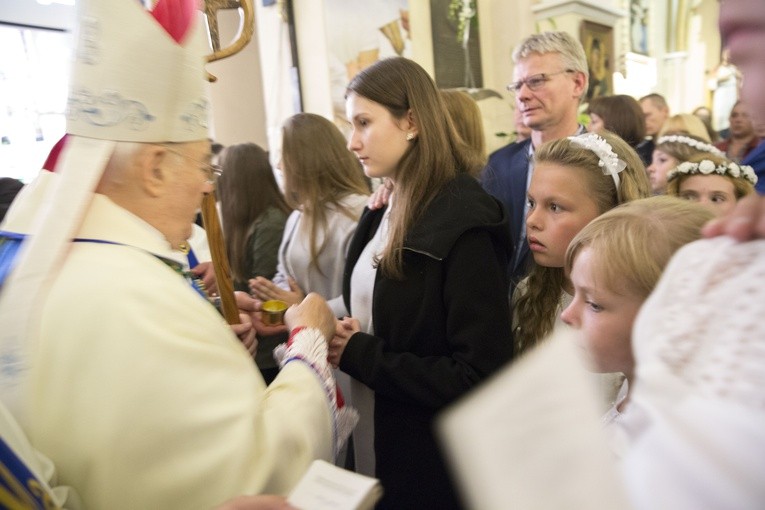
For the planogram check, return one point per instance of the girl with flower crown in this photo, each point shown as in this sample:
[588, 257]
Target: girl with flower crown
[715, 182]
[614, 263]
[575, 180]
[671, 150]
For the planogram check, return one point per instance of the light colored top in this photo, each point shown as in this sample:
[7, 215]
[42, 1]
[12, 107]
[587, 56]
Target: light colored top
[617, 435]
[362, 294]
[144, 398]
[607, 384]
[531, 434]
[295, 253]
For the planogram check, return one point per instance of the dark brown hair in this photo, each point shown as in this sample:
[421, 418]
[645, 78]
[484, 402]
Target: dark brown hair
[621, 115]
[246, 189]
[433, 158]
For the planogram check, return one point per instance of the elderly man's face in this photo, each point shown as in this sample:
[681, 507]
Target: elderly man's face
[188, 178]
[742, 27]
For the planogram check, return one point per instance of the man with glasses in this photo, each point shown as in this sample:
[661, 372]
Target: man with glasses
[118, 369]
[550, 80]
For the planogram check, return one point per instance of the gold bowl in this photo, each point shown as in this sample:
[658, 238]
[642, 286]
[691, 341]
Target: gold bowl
[273, 312]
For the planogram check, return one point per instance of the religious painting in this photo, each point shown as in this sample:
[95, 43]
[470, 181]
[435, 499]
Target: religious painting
[639, 26]
[598, 42]
[456, 43]
[359, 33]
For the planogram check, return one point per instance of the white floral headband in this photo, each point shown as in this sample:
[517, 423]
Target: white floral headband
[609, 161]
[707, 167]
[687, 140]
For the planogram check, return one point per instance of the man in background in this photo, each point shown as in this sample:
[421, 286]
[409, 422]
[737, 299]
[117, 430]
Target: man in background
[550, 80]
[742, 139]
[656, 112]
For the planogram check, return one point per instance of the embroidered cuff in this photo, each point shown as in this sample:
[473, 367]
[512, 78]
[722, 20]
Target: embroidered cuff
[308, 345]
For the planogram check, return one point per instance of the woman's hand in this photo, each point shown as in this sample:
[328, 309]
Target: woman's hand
[344, 330]
[264, 289]
[381, 196]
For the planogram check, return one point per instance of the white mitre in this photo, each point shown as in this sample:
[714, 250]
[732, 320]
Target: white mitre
[130, 82]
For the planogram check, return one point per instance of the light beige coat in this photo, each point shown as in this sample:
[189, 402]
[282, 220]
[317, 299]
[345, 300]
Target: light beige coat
[142, 395]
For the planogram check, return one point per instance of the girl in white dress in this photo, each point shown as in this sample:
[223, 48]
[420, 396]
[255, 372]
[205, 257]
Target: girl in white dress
[325, 185]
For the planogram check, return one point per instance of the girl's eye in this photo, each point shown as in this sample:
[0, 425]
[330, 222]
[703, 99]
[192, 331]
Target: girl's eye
[555, 207]
[594, 306]
[719, 198]
[530, 203]
[689, 196]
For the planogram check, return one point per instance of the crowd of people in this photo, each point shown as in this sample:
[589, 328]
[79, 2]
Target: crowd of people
[123, 387]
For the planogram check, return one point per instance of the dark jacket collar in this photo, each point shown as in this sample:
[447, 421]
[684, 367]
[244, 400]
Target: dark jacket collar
[462, 205]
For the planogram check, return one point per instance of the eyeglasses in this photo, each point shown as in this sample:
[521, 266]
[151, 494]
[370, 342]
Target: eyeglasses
[211, 170]
[535, 81]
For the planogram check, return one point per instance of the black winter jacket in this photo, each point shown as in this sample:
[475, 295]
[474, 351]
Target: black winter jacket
[438, 333]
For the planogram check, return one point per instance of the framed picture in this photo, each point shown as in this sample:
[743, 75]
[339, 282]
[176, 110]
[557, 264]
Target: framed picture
[456, 65]
[639, 26]
[598, 42]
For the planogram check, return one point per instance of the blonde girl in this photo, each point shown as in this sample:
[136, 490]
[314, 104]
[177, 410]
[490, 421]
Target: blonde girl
[670, 151]
[575, 180]
[715, 182]
[614, 263]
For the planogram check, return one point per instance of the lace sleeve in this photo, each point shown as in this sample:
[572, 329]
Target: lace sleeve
[703, 329]
[307, 345]
[699, 394]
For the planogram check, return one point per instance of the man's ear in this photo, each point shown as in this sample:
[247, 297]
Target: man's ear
[580, 84]
[152, 171]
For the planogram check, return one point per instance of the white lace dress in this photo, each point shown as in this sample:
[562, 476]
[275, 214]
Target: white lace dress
[699, 346]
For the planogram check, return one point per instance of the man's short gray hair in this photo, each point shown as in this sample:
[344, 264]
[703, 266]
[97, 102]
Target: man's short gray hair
[570, 50]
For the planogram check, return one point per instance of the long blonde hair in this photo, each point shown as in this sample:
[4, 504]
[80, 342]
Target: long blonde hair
[433, 158]
[536, 304]
[319, 171]
[633, 243]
